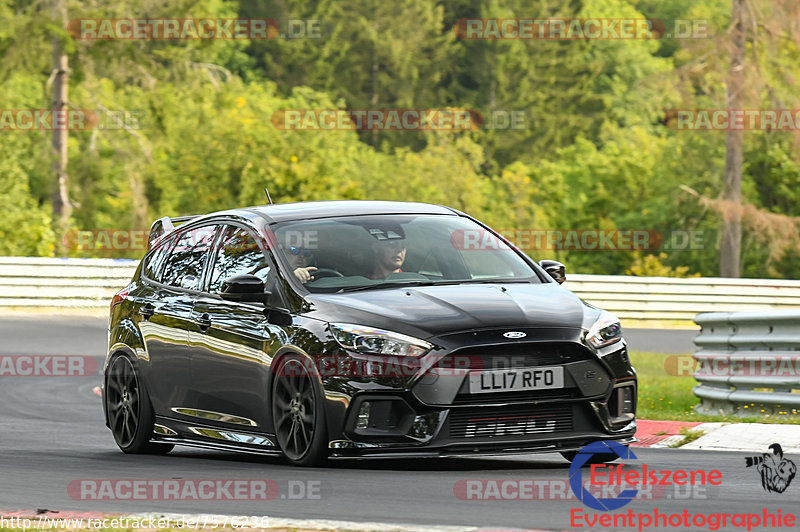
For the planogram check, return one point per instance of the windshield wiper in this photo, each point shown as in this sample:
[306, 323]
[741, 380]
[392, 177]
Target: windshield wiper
[493, 281]
[390, 284]
[401, 284]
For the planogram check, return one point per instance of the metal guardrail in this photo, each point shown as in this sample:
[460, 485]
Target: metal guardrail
[748, 362]
[669, 298]
[48, 282]
[67, 283]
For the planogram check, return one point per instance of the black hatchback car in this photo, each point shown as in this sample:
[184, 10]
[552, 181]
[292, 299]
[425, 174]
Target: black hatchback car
[358, 329]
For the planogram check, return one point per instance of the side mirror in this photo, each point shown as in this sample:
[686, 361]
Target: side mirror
[556, 270]
[245, 288]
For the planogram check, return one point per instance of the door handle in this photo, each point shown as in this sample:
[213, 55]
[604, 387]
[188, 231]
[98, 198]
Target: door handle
[204, 321]
[147, 310]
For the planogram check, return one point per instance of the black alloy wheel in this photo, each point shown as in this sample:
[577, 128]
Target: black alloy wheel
[298, 413]
[130, 414]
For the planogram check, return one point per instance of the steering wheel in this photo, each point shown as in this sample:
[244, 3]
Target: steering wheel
[325, 272]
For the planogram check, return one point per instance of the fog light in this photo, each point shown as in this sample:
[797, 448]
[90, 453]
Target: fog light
[381, 416]
[424, 426]
[363, 416]
[626, 400]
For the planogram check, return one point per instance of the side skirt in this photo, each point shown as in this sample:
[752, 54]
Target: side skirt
[179, 432]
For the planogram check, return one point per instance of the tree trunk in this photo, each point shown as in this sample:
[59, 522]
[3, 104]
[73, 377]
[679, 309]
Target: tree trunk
[62, 209]
[731, 243]
[373, 98]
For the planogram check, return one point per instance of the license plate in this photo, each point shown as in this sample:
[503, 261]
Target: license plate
[511, 380]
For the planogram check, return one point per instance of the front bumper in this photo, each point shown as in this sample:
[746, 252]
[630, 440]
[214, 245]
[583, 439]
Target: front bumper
[570, 442]
[439, 417]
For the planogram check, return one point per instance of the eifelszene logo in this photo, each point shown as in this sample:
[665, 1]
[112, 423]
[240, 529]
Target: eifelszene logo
[776, 471]
[624, 483]
[585, 455]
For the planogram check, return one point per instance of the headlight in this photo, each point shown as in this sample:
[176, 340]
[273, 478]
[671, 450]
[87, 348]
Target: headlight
[377, 341]
[605, 331]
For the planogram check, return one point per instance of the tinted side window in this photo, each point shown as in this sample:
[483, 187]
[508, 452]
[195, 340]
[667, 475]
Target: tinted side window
[155, 260]
[238, 254]
[184, 267]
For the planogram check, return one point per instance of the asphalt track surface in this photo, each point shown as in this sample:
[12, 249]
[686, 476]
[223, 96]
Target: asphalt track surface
[51, 434]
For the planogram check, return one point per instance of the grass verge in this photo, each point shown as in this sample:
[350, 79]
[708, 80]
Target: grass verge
[689, 435]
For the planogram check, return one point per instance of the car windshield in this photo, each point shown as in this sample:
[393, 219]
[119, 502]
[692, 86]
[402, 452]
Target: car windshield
[382, 251]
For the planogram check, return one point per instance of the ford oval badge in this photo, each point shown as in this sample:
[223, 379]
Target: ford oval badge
[514, 334]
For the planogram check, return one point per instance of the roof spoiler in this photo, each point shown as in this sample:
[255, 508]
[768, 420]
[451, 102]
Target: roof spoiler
[162, 227]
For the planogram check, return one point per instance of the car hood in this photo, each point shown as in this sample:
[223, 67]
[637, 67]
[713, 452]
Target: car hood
[436, 310]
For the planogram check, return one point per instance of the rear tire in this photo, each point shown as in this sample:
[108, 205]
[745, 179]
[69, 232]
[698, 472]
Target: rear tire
[298, 413]
[130, 414]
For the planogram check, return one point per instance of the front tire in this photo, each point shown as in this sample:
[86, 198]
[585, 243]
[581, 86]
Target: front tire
[130, 414]
[298, 413]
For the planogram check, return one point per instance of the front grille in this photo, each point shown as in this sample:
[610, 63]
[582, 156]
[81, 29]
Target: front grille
[505, 422]
[516, 355]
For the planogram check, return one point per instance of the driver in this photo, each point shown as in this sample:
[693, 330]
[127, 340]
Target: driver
[300, 260]
[389, 257]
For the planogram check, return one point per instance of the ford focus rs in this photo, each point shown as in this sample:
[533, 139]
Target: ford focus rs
[358, 329]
